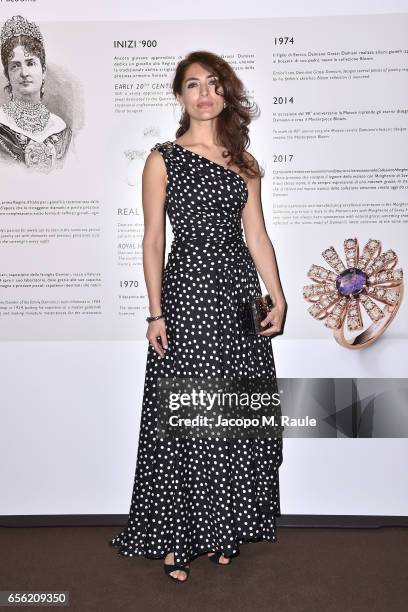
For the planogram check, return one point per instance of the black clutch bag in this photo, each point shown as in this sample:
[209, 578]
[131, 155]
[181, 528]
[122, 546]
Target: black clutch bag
[253, 311]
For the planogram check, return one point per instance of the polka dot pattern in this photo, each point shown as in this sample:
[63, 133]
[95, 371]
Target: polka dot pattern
[196, 495]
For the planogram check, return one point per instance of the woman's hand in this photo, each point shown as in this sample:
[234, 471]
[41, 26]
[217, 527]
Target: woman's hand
[156, 331]
[275, 316]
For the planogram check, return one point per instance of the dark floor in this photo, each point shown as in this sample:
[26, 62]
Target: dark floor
[313, 569]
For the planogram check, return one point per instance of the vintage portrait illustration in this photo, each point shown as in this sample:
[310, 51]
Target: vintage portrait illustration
[30, 133]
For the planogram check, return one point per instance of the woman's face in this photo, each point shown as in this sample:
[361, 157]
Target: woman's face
[198, 93]
[25, 73]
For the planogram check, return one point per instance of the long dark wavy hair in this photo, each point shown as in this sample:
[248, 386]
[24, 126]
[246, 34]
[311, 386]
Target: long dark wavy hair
[30, 44]
[233, 121]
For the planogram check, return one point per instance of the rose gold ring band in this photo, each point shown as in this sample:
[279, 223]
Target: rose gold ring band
[372, 333]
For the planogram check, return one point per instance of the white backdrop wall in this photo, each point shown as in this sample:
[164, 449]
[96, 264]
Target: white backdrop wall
[73, 348]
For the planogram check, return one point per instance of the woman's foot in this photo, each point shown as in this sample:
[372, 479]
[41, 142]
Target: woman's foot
[179, 574]
[221, 560]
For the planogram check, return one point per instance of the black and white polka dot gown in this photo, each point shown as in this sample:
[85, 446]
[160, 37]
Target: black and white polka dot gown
[191, 496]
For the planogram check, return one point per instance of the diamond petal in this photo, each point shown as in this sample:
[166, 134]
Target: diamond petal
[351, 252]
[332, 258]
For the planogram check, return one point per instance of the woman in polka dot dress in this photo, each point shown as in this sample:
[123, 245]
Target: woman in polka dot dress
[195, 496]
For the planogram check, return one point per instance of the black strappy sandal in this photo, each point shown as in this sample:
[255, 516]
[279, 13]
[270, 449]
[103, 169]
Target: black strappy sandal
[215, 558]
[168, 569]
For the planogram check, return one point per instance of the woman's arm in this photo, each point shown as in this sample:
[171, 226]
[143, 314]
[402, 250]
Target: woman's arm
[263, 254]
[154, 180]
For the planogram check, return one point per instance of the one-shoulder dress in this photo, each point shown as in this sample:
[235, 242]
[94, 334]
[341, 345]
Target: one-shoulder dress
[195, 495]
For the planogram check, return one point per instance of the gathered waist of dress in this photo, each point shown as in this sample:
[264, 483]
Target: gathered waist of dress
[214, 240]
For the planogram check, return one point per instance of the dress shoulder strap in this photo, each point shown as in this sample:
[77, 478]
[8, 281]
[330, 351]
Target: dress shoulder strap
[165, 148]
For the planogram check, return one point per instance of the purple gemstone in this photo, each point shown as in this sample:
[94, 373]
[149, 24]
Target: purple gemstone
[351, 281]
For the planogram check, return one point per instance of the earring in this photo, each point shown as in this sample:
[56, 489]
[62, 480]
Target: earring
[42, 88]
[225, 104]
[10, 92]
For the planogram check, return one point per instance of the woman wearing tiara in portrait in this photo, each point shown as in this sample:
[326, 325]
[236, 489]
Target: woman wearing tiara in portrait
[30, 133]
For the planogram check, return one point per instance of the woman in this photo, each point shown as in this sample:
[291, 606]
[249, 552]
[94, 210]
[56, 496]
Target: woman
[29, 133]
[195, 496]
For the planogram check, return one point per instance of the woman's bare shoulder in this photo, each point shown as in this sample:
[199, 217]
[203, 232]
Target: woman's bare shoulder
[155, 154]
[154, 164]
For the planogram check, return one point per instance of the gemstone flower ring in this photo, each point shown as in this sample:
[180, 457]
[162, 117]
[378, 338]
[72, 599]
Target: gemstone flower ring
[365, 280]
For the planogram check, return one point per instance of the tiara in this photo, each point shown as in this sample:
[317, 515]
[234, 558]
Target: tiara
[18, 25]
